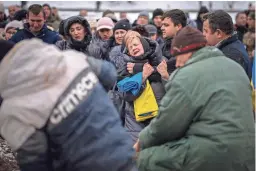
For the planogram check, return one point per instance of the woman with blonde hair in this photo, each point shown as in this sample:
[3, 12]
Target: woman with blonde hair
[142, 55]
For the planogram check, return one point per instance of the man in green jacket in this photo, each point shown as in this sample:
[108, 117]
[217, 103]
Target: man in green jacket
[205, 120]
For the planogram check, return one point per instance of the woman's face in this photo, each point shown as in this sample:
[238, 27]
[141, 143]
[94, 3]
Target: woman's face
[135, 47]
[9, 33]
[77, 32]
[119, 35]
[105, 34]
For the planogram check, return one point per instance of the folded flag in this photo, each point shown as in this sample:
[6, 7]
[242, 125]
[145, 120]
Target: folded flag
[131, 84]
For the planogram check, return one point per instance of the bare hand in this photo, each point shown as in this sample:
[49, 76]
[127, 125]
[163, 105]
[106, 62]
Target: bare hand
[130, 67]
[136, 146]
[147, 71]
[162, 69]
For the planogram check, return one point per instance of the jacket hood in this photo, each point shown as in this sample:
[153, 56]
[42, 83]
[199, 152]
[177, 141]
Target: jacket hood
[77, 19]
[33, 75]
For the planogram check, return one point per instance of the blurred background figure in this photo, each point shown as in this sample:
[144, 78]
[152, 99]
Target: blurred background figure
[240, 26]
[199, 22]
[3, 18]
[190, 22]
[110, 14]
[50, 19]
[83, 13]
[12, 9]
[55, 13]
[143, 18]
[123, 15]
[93, 25]
[249, 37]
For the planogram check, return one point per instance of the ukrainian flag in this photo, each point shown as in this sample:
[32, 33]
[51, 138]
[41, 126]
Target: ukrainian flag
[253, 82]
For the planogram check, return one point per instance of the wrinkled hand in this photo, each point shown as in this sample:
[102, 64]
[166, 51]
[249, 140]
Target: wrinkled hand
[162, 69]
[147, 71]
[130, 67]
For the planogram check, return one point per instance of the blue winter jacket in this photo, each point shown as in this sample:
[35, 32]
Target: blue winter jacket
[234, 49]
[46, 35]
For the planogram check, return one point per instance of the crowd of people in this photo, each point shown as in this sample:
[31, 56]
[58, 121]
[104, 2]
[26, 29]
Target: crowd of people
[161, 93]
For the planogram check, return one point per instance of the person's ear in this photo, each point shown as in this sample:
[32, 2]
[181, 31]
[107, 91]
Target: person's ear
[219, 33]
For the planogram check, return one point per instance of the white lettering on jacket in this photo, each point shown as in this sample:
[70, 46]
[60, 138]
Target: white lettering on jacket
[73, 98]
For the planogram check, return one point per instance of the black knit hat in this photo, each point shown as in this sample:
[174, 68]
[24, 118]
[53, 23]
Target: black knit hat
[122, 24]
[188, 39]
[6, 46]
[157, 12]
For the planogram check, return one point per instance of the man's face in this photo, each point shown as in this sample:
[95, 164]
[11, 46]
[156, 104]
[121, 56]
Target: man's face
[251, 23]
[158, 21]
[36, 22]
[211, 38]
[47, 11]
[168, 28]
[241, 20]
[12, 10]
[143, 20]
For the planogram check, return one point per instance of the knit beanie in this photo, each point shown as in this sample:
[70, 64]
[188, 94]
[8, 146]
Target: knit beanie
[157, 12]
[143, 14]
[188, 39]
[6, 46]
[122, 24]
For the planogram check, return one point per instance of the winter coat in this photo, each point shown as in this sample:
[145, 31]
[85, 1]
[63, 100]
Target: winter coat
[241, 30]
[70, 43]
[205, 120]
[234, 49]
[99, 48]
[171, 60]
[154, 57]
[46, 35]
[60, 112]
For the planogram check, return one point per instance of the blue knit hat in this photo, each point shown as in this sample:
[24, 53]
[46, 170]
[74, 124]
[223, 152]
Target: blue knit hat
[144, 14]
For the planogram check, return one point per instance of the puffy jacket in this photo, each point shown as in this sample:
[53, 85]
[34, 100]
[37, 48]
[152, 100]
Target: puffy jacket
[70, 43]
[99, 48]
[46, 35]
[205, 120]
[234, 49]
[154, 57]
[57, 114]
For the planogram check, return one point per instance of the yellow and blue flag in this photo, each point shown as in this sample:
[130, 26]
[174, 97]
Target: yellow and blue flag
[253, 83]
